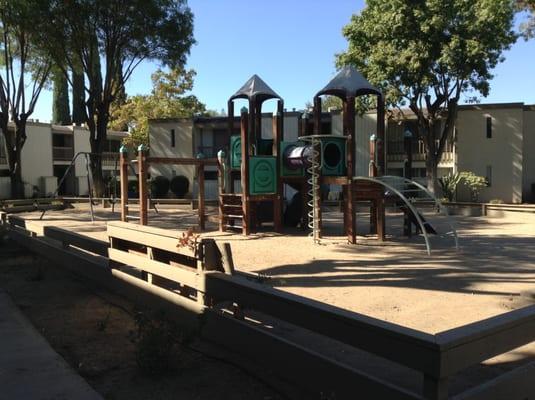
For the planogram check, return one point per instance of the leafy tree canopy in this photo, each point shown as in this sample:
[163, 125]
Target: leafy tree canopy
[527, 27]
[425, 54]
[168, 99]
[104, 41]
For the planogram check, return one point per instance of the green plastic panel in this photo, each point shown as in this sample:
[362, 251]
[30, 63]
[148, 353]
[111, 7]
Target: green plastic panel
[333, 152]
[285, 171]
[262, 175]
[235, 152]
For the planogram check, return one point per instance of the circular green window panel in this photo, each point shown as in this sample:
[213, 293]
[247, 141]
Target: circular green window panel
[262, 175]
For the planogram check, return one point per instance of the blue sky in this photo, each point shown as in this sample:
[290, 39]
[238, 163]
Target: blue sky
[291, 45]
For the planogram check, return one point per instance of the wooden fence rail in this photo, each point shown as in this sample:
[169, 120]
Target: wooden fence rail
[146, 264]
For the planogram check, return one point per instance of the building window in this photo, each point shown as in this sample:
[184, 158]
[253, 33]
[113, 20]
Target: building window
[489, 127]
[489, 175]
[172, 138]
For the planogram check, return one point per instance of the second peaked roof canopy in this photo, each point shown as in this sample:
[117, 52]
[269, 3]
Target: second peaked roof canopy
[255, 88]
[348, 82]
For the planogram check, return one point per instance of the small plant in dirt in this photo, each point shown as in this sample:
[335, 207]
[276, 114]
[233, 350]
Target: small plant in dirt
[158, 341]
[496, 201]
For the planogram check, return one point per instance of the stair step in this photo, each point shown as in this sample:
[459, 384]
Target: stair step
[231, 195]
[233, 227]
[233, 205]
[232, 216]
[131, 217]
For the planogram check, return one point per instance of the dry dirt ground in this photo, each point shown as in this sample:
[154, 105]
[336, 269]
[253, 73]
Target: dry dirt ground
[96, 333]
[491, 273]
[394, 281]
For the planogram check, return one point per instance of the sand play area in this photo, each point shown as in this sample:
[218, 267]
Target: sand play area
[492, 272]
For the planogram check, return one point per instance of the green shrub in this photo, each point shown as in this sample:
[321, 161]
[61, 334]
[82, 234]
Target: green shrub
[474, 182]
[449, 183]
[159, 186]
[179, 186]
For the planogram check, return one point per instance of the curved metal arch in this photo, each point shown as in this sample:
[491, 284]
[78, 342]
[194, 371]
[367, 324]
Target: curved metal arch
[406, 201]
[438, 203]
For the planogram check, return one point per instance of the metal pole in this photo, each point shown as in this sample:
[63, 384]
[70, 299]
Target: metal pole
[89, 187]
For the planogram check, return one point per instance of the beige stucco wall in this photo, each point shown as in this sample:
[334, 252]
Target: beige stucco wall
[291, 128]
[503, 152]
[160, 146]
[528, 170]
[36, 161]
[81, 143]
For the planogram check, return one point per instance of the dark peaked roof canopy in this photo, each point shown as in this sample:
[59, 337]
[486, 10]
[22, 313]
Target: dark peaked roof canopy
[348, 81]
[255, 88]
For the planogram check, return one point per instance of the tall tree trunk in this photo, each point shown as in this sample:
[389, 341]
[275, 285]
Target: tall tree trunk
[431, 159]
[78, 97]
[14, 156]
[431, 169]
[98, 130]
[15, 175]
[60, 103]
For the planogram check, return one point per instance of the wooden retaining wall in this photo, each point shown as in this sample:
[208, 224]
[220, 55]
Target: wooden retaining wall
[145, 265]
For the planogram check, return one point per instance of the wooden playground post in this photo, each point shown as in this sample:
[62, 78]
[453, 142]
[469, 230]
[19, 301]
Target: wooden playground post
[277, 136]
[221, 187]
[349, 116]
[380, 135]
[123, 176]
[246, 121]
[200, 194]
[142, 178]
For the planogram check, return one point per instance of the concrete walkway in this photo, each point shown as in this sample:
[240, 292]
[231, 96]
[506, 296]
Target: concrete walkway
[29, 367]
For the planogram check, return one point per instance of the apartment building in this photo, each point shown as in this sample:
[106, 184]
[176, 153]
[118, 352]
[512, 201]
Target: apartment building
[47, 155]
[496, 141]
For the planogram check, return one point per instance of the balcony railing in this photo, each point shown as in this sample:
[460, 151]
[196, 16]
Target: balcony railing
[62, 153]
[108, 159]
[396, 152]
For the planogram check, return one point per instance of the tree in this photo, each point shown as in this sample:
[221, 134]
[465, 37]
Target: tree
[425, 54]
[527, 27]
[167, 100]
[112, 38]
[20, 59]
[78, 96]
[61, 113]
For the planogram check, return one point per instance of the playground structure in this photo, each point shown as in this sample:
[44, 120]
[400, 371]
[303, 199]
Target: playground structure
[263, 166]
[315, 159]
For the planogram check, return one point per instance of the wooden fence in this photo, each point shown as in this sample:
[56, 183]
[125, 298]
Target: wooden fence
[146, 265]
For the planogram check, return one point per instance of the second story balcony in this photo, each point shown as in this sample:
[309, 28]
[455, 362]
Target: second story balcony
[396, 152]
[62, 153]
